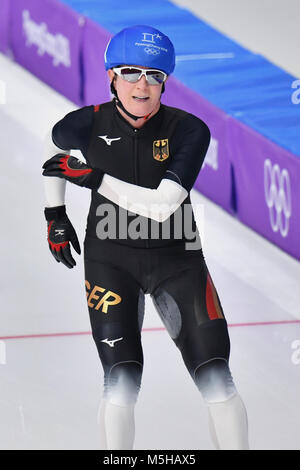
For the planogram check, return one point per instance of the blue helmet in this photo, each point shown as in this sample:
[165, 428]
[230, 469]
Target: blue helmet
[140, 45]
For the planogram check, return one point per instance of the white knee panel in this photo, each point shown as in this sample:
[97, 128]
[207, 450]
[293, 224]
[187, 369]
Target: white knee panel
[214, 381]
[122, 386]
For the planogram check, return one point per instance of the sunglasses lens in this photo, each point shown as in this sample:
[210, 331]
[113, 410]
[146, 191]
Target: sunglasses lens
[132, 75]
[155, 77]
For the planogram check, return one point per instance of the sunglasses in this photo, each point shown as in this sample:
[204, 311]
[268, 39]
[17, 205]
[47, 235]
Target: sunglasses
[133, 74]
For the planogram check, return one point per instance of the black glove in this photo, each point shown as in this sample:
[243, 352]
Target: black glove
[60, 233]
[73, 170]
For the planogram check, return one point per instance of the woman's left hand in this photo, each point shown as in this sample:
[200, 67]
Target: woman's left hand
[74, 170]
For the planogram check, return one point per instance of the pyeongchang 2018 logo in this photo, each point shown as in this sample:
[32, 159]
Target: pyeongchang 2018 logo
[278, 196]
[151, 45]
[55, 45]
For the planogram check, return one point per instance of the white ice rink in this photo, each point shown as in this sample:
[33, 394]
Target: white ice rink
[50, 374]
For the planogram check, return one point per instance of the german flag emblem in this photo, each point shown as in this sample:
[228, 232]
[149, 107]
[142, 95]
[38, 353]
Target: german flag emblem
[161, 150]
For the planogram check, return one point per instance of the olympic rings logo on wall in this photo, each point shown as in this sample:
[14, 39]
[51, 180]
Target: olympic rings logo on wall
[278, 196]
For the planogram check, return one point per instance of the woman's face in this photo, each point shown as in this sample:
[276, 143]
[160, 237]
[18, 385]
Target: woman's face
[138, 98]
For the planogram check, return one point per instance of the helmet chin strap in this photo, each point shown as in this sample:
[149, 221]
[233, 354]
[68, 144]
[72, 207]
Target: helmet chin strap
[120, 105]
[132, 116]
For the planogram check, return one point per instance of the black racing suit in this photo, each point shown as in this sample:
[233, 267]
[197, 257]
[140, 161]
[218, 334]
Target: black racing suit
[120, 270]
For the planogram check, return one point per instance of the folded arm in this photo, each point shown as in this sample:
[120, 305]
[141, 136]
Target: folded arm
[188, 149]
[157, 204]
[71, 132]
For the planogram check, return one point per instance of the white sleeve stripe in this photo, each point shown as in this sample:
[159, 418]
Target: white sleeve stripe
[157, 204]
[54, 187]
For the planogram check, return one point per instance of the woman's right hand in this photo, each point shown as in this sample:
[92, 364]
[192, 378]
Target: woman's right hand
[60, 233]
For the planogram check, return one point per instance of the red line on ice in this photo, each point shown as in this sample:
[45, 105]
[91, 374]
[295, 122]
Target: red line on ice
[144, 330]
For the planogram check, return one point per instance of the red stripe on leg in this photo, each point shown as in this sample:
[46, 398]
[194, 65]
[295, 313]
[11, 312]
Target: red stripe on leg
[210, 301]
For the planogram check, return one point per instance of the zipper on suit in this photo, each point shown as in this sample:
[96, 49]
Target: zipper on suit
[135, 153]
[136, 172]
